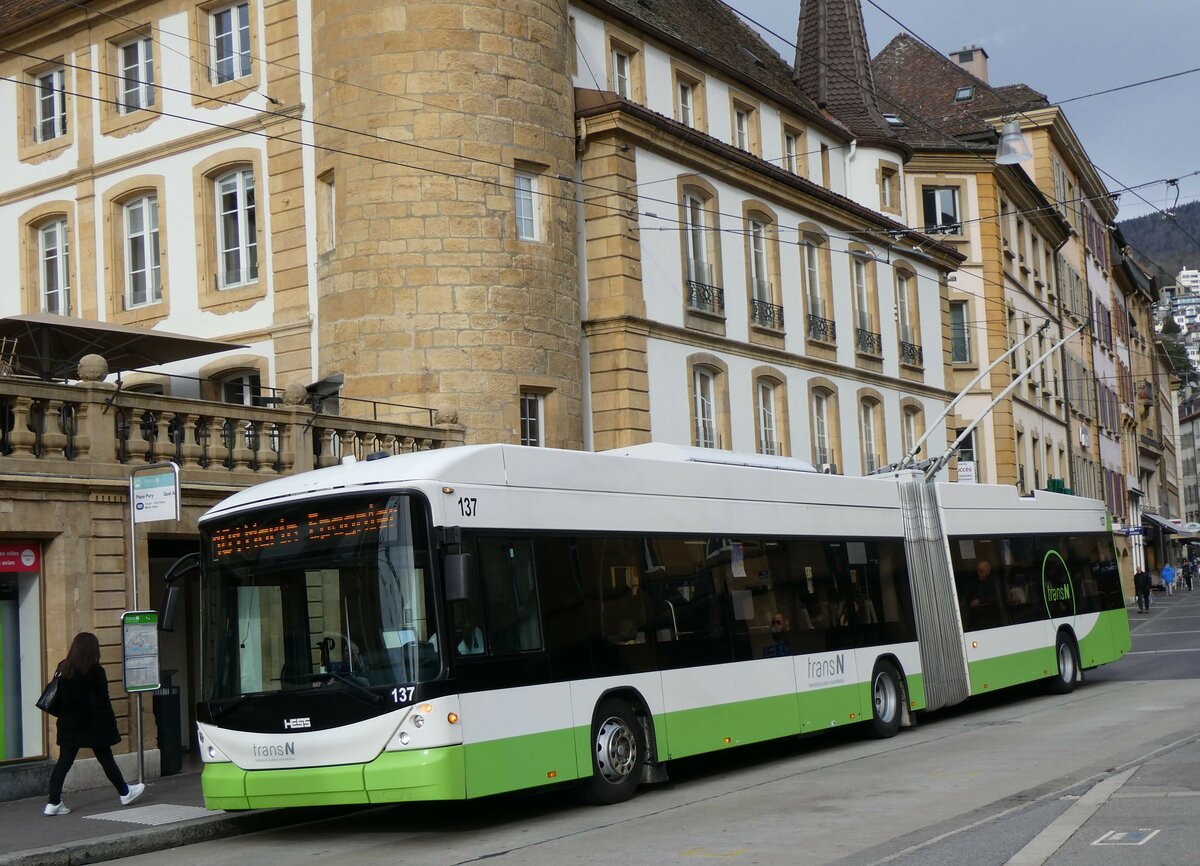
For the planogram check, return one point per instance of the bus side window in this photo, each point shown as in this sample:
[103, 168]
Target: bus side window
[513, 620]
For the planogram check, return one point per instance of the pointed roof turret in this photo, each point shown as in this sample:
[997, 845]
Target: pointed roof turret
[833, 65]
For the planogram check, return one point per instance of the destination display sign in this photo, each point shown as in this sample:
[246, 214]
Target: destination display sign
[293, 531]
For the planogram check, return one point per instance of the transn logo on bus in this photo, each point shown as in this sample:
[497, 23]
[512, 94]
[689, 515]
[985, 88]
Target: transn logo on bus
[275, 751]
[290, 724]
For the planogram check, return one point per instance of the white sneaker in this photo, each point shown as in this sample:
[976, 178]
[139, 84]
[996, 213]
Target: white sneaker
[135, 791]
[56, 809]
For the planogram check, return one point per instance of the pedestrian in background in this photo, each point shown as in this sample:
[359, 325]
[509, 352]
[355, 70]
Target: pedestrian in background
[85, 721]
[1189, 571]
[1168, 576]
[1141, 588]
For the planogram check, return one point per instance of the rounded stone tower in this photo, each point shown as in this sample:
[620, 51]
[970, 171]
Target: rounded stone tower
[431, 291]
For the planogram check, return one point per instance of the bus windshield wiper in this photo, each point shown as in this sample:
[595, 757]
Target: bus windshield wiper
[215, 711]
[356, 688]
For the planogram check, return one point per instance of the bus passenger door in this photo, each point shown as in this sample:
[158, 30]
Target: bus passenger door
[516, 721]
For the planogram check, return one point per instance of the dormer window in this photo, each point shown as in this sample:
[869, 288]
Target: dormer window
[964, 93]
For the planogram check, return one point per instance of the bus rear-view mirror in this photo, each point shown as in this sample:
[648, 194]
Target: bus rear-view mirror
[461, 577]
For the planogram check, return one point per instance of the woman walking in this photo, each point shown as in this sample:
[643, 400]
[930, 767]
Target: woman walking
[86, 721]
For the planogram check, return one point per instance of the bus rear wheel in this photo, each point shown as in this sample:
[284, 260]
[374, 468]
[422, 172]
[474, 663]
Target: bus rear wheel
[887, 700]
[618, 752]
[1063, 682]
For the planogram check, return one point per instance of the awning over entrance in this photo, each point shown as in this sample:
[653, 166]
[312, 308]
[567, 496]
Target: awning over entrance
[1172, 526]
[50, 346]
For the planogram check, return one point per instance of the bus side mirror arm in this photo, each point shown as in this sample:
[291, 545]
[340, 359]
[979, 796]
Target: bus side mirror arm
[461, 577]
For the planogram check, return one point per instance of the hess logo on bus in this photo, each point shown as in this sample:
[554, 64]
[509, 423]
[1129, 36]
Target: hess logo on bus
[293, 724]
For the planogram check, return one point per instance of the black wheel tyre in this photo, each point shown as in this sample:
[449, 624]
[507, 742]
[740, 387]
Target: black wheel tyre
[887, 700]
[618, 753]
[1063, 681]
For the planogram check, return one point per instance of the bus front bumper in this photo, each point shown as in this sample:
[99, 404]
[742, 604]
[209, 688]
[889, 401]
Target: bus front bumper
[393, 777]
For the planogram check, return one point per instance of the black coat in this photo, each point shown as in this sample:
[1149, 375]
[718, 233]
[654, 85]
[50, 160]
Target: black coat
[85, 716]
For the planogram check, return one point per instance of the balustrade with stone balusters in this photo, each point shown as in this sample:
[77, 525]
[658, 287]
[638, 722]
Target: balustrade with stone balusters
[94, 430]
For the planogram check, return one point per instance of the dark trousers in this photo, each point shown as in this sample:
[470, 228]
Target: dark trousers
[1144, 599]
[66, 757]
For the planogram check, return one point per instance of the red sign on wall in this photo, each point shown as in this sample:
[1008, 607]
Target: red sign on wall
[20, 556]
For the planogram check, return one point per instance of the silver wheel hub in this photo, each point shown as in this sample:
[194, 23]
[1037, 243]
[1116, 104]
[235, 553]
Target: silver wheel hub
[616, 750]
[886, 699]
[1066, 663]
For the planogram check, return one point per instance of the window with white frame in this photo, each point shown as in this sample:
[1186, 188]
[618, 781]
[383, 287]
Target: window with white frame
[143, 275]
[760, 289]
[533, 430]
[903, 307]
[812, 279]
[696, 240]
[768, 440]
[237, 228]
[940, 204]
[55, 271]
[966, 448]
[791, 152]
[230, 42]
[867, 426]
[960, 335]
[243, 388]
[621, 70]
[704, 412]
[910, 429]
[686, 95]
[820, 414]
[741, 128]
[137, 75]
[862, 296]
[50, 116]
[525, 192]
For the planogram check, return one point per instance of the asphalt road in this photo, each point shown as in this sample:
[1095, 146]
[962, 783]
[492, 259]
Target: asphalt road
[1106, 775]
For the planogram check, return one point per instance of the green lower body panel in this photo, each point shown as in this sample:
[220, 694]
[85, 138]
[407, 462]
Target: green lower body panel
[427, 774]
[1000, 672]
[522, 762]
[1107, 641]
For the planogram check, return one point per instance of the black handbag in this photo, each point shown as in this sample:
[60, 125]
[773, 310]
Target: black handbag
[48, 702]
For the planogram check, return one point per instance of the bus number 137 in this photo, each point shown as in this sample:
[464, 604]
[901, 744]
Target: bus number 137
[403, 694]
[466, 504]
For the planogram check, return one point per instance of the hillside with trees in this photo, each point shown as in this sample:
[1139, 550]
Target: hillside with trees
[1159, 239]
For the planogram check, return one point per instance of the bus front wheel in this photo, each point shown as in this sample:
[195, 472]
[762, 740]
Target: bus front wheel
[1063, 682]
[618, 752]
[887, 699]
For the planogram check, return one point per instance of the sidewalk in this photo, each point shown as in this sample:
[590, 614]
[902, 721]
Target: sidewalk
[171, 813]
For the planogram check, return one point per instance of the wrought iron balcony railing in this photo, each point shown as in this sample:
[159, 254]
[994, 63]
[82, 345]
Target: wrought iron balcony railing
[911, 353]
[766, 315]
[708, 299]
[868, 342]
[822, 329]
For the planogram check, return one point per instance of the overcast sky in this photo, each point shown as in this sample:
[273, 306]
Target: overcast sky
[1067, 48]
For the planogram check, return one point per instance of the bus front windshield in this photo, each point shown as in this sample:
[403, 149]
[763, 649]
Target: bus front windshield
[325, 593]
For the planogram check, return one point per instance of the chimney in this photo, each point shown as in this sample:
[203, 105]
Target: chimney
[973, 59]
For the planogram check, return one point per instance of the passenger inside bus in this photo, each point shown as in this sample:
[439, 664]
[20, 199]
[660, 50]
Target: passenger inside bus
[465, 617]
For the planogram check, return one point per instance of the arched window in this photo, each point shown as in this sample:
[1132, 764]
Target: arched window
[818, 293]
[704, 411]
[762, 260]
[873, 439]
[823, 435]
[768, 433]
[54, 271]
[912, 428]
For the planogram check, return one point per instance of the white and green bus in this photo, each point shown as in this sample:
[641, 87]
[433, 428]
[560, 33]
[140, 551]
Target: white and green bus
[458, 623]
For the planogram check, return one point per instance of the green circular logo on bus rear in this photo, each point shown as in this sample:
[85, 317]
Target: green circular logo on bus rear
[1057, 588]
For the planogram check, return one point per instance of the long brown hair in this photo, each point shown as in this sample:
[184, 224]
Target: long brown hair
[83, 655]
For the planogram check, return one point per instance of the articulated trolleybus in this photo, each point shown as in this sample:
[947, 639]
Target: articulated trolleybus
[463, 622]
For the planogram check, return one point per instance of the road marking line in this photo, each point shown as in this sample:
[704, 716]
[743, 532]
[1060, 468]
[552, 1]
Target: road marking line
[1165, 633]
[1158, 652]
[1042, 846]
